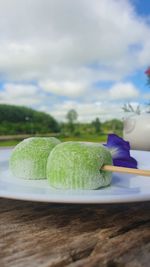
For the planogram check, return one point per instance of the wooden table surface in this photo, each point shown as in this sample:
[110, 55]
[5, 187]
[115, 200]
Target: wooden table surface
[53, 235]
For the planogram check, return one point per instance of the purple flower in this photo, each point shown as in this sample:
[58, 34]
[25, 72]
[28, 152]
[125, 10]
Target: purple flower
[120, 151]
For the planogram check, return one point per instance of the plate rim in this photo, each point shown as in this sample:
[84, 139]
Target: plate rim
[76, 198]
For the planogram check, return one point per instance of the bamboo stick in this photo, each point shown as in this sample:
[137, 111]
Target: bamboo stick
[125, 170]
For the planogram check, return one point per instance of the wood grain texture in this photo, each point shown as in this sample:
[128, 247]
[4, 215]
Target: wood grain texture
[53, 235]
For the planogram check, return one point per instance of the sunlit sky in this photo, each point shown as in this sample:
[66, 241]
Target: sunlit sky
[89, 55]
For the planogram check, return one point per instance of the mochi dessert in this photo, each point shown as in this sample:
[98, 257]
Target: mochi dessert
[29, 158]
[77, 165]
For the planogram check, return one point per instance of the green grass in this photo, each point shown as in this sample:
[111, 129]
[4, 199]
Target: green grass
[8, 143]
[101, 138]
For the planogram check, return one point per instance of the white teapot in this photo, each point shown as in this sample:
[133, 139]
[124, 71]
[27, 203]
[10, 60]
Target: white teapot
[137, 131]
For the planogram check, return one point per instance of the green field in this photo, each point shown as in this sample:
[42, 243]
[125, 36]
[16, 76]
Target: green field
[101, 138]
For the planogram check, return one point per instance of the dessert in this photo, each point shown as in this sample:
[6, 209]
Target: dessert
[77, 165]
[29, 157]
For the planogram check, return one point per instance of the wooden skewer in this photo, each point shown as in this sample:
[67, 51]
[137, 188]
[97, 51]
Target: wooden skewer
[125, 170]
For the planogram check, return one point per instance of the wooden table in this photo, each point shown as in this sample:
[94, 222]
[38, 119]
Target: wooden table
[53, 235]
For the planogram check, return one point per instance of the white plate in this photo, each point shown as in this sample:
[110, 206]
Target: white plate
[124, 188]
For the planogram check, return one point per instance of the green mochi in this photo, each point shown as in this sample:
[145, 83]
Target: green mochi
[76, 165]
[29, 157]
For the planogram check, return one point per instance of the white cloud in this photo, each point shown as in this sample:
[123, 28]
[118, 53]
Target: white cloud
[43, 39]
[105, 104]
[19, 94]
[124, 91]
[100, 103]
[64, 88]
[19, 90]
[86, 111]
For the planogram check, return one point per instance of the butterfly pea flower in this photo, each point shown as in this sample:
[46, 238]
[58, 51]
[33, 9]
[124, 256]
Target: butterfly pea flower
[120, 151]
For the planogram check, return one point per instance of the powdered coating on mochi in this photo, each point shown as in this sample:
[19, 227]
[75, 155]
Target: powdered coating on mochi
[29, 158]
[76, 165]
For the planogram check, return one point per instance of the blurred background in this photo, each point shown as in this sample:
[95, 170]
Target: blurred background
[72, 69]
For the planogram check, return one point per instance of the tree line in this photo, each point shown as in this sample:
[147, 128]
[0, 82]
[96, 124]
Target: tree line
[20, 120]
[23, 120]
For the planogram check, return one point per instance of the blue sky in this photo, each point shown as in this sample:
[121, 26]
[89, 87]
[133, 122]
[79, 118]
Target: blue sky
[142, 7]
[83, 54]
